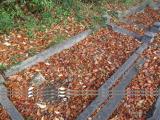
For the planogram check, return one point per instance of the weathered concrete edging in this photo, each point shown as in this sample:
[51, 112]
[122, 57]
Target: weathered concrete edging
[47, 53]
[155, 5]
[123, 31]
[156, 112]
[132, 22]
[156, 115]
[8, 105]
[113, 103]
[135, 9]
[138, 8]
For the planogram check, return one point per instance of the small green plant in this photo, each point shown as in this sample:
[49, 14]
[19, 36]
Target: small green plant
[32, 51]
[6, 21]
[78, 12]
[47, 19]
[57, 39]
[79, 17]
[15, 59]
[17, 12]
[113, 13]
[30, 25]
[39, 5]
[96, 19]
[128, 2]
[62, 12]
[2, 67]
[92, 1]
[96, 22]
[29, 118]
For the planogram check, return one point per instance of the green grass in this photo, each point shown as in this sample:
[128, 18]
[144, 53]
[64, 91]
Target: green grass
[2, 67]
[14, 59]
[58, 39]
[30, 25]
[29, 118]
[6, 21]
[32, 51]
[38, 15]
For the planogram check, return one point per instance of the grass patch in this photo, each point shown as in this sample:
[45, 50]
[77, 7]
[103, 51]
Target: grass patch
[59, 39]
[30, 25]
[56, 40]
[38, 15]
[15, 59]
[6, 21]
[32, 51]
[29, 118]
[2, 67]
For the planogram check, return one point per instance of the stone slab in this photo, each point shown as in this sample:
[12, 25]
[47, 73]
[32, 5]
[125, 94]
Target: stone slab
[156, 113]
[123, 31]
[155, 5]
[150, 34]
[157, 24]
[132, 22]
[146, 39]
[135, 9]
[154, 29]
